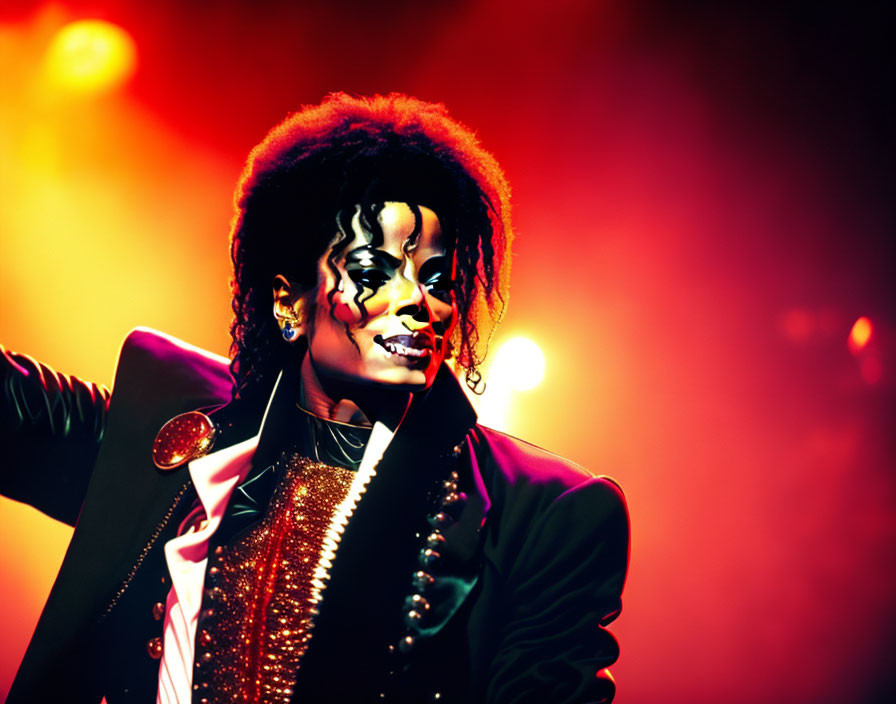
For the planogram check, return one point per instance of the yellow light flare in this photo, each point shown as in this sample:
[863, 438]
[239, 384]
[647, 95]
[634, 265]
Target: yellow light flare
[90, 57]
[860, 333]
[520, 364]
[517, 365]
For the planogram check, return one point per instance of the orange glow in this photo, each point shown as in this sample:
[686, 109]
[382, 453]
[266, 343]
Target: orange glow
[860, 333]
[90, 56]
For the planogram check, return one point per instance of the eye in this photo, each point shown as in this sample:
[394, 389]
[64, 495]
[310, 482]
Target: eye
[440, 285]
[368, 278]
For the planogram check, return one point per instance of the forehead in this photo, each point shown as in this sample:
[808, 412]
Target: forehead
[401, 229]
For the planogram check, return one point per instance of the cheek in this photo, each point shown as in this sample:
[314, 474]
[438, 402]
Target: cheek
[442, 312]
[345, 313]
[348, 305]
[351, 305]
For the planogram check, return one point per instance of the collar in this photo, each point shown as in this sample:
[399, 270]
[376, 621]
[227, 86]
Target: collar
[438, 417]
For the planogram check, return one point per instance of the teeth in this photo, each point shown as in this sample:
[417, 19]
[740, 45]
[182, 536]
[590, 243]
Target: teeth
[396, 348]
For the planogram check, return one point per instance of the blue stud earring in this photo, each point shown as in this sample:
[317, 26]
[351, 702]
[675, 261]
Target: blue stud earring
[289, 332]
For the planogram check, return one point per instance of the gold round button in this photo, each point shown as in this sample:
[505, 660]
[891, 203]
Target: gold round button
[154, 648]
[183, 438]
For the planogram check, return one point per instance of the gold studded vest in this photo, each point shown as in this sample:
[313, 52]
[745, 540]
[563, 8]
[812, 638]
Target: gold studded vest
[265, 583]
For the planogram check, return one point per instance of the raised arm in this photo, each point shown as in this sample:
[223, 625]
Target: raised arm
[51, 427]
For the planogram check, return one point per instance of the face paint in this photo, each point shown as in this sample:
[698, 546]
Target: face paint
[385, 304]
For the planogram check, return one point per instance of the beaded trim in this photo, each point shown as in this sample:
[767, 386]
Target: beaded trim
[157, 531]
[450, 502]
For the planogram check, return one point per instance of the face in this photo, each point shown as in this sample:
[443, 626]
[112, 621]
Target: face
[386, 281]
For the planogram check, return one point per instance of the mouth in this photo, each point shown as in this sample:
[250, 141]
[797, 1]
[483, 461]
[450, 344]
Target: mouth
[411, 347]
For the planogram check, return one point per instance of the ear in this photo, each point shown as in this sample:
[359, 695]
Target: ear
[289, 308]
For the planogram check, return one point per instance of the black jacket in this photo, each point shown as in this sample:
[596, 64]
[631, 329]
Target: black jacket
[530, 573]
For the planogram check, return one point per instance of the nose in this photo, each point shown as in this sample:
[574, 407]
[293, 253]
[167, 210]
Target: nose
[413, 304]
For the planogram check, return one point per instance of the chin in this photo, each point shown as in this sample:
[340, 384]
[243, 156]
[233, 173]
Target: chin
[400, 378]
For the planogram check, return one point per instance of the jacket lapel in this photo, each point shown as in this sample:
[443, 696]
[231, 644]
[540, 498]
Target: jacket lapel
[362, 610]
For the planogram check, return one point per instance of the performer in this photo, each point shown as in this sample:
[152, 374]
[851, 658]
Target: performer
[320, 518]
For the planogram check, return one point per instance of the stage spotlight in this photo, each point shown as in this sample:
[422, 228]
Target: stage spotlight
[90, 56]
[519, 363]
[860, 334]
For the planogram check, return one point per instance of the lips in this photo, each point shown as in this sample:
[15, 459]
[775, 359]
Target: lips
[412, 346]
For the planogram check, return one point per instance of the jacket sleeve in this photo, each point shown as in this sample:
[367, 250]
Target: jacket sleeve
[564, 588]
[51, 427]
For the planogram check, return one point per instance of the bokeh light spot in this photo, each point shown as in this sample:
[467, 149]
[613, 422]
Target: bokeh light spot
[521, 363]
[90, 56]
[860, 333]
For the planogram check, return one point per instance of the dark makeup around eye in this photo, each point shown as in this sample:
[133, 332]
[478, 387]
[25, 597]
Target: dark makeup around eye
[435, 274]
[370, 267]
[438, 266]
[368, 259]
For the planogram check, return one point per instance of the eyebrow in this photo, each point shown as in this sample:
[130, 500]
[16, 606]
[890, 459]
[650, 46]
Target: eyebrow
[378, 255]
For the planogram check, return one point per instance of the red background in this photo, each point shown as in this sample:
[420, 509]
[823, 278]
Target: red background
[702, 202]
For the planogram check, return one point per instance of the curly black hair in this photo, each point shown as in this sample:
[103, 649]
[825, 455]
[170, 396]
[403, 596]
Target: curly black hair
[346, 151]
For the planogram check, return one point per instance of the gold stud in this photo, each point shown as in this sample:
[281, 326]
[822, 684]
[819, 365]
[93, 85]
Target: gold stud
[154, 648]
